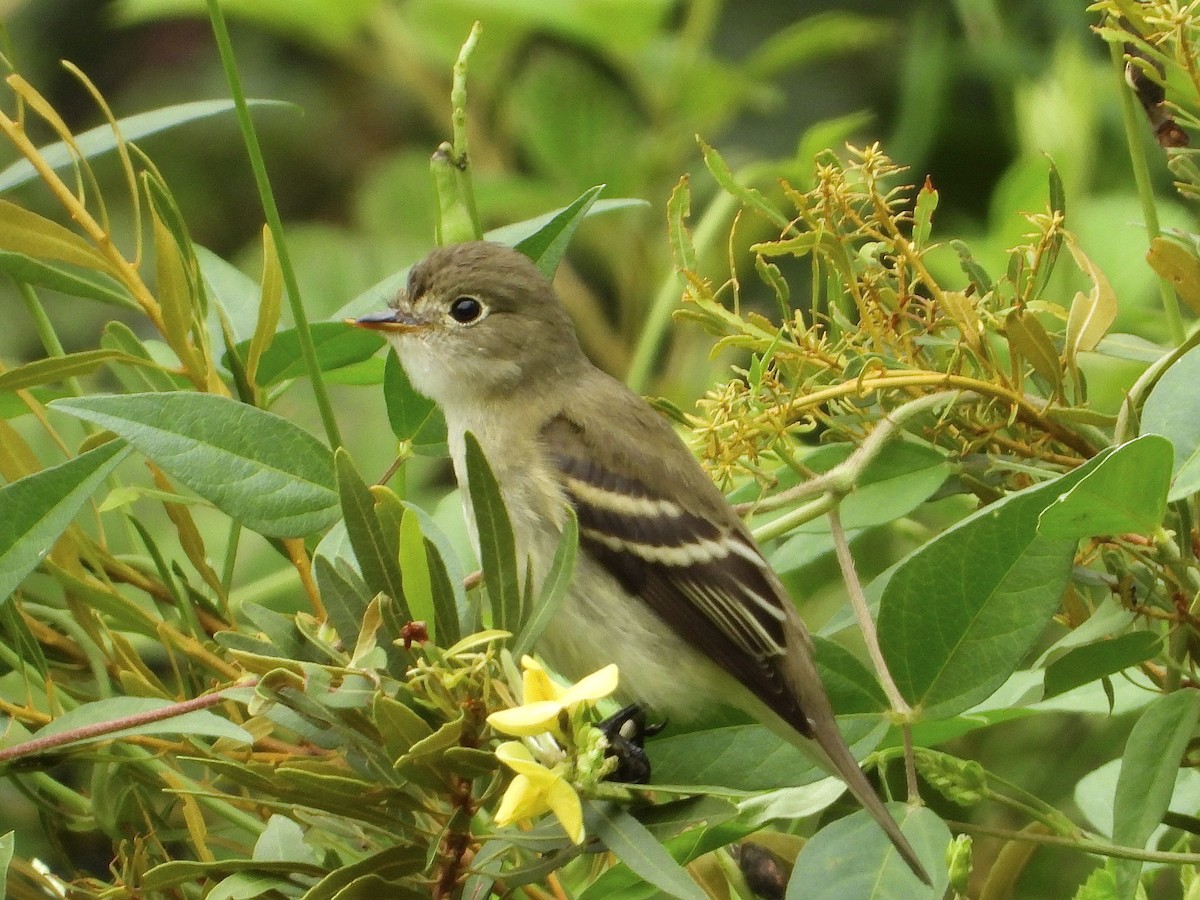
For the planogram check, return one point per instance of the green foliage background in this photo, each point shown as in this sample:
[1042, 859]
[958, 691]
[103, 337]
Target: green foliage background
[987, 325]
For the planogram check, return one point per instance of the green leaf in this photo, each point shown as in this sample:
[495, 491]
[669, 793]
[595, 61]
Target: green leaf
[636, 847]
[282, 841]
[958, 615]
[39, 507]
[87, 285]
[853, 858]
[497, 547]
[415, 574]
[979, 278]
[1091, 314]
[59, 368]
[1150, 765]
[548, 245]
[268, 308]
[413, 416]
[147, 373]
[1123, 489]
[376, 551]
[7, 845]
[102, 139]
[1027, 338]
[336, 345]
[927, 201]
[22, 231]
[256, 467]
[749, 197]
[1172, 411]
[1178, 265]
[553, 590]
[98, 713]
[679, 208]
[1100, 659]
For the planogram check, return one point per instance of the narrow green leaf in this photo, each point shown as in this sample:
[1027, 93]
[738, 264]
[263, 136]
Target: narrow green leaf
[336, 346]
[22, 231]
[7, 845]
[256, 467]
[375, 552]
[679, 207]
[749, 197]
[979, 278]
[1091, 314]
[852, 857]
[1171, 410]
[1148, 771]
[1028, 339]
[927, 201]
[1098, 660]
[173, 289]
[415, 575]
[60, 368]
[633, 845]
[39, 507]
[147, 373]
[445, 606]
[497, 547]
[98, 713]
[1122, 490]
[102, 139]
[413, 417]
[268, 307]
[345, 595]
[959, 614]
[553, 590]
[90, 286]
[547, 246]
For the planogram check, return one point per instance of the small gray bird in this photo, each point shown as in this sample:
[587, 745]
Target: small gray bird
[669, 584]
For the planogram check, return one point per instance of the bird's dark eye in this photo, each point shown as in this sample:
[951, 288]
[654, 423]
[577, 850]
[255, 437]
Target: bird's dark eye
[465, 309]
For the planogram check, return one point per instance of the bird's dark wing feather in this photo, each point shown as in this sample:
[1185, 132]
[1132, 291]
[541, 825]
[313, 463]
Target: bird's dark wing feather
[699, 572]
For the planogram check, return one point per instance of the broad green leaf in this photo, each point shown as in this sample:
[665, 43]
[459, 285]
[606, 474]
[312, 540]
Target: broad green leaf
[60, 368]
[958, 615]
[336, 346]
[22, 231]
[413, 417]
[256, 467]
[1124, 489]
[497, 547]
[282, 841]
[415, 574]
[853, 858]
[1099, 659]
[39, 507]
[636, 847]
[548, 245]
[92, 718]
[75, 284]
[100, 140]
[553, 590]
[1150, 765]
[1172, 410]
[376, 551]
[7, 845]
[394, 862]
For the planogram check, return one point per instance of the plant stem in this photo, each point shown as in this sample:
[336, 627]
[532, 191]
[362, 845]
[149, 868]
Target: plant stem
[271, 212]
[1134, 127]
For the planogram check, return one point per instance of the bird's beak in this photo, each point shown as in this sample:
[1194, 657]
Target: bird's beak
[393, 320]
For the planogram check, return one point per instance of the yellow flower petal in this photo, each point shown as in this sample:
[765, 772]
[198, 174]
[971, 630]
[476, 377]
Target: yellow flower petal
[564, 802]
[599, 684]
[517, 757]
[530, 719]
[537, 682]
[521, 801]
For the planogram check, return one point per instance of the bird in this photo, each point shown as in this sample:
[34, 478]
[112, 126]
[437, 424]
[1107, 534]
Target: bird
[669, 583]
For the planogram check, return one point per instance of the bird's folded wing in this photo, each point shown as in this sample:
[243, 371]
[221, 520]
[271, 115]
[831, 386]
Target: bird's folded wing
[702, 575]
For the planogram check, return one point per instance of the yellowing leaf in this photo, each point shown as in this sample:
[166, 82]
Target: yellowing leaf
[22, 231]
[268, 307]
[1179, 266]
[1091, 314]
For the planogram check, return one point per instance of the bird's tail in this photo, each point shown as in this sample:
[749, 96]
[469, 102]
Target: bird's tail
[822, 729]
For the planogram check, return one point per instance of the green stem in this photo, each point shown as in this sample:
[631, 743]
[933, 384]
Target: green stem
[1083, 844]
[271, 212]
[1134, 127]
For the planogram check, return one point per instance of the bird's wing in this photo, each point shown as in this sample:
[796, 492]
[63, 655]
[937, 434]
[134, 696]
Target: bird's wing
[687, 558]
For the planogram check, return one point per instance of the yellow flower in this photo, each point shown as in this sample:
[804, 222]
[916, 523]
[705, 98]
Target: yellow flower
[537, 789]
[545, 700]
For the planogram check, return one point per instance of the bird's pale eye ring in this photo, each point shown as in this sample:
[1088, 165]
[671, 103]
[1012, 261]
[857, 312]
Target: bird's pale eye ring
[465, 309]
